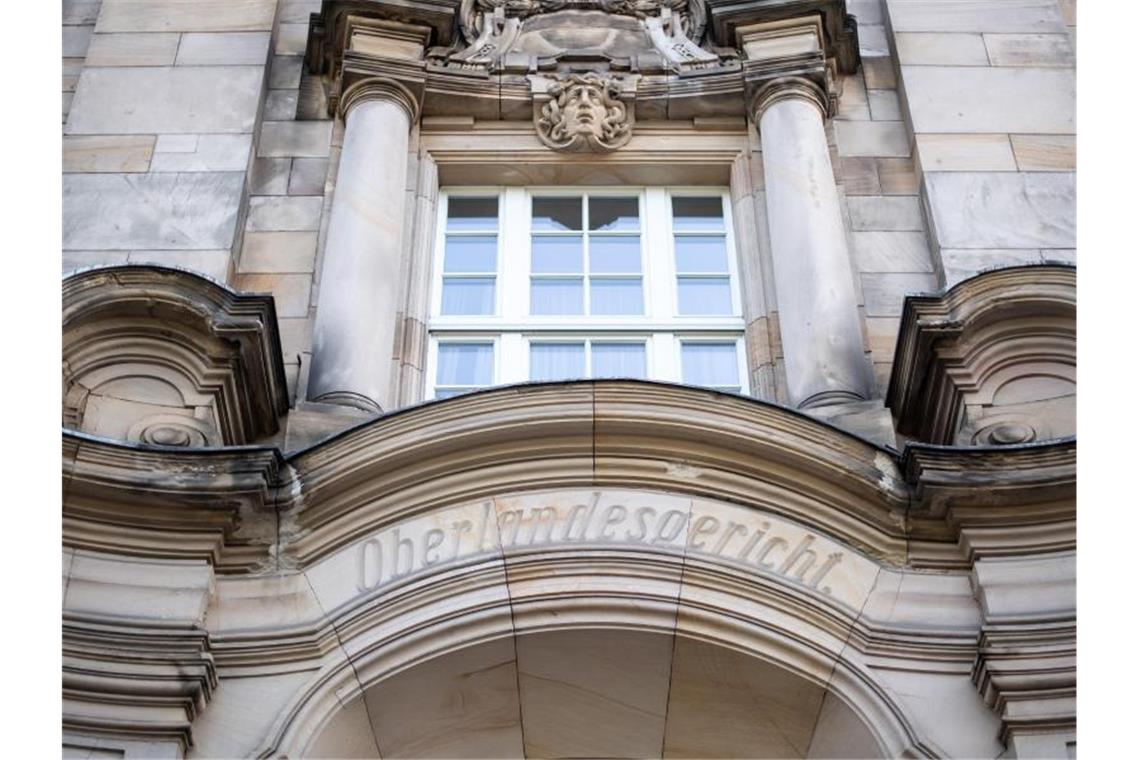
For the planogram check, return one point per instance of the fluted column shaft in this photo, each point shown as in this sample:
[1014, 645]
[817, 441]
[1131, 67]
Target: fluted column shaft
[815, 289]
[356, 309]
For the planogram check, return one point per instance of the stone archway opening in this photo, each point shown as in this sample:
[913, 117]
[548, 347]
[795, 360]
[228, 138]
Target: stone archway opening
[596, 692]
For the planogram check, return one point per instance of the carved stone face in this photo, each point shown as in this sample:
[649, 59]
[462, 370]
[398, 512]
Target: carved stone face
[584, 113]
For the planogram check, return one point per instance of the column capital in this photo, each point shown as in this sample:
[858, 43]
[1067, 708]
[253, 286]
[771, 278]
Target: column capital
[378, 88]
[786, 88]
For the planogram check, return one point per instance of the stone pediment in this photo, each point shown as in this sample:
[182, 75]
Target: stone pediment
[163, 356]
[992, 361]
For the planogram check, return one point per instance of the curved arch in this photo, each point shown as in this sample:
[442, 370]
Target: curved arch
[616, 581]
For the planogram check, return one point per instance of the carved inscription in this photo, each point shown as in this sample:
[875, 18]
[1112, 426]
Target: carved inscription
[634, 521]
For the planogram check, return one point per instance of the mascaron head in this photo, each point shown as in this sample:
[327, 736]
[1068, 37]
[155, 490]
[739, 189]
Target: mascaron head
[584, 113]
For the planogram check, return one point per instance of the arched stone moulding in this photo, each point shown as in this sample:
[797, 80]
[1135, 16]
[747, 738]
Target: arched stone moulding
[164, 356]
[332, 568]
[992, 361]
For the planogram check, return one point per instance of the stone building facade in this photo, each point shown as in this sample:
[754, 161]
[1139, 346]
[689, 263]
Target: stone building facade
[569, 378]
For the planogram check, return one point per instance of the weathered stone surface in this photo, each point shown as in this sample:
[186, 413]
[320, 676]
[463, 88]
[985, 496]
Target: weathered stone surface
[308, 176]
[1045, 152]
[278, 252]
[176, 144]
[860, 176]
[75, 41]
[107, 153]
[212, 153]
[270, 176]
[879, 73]
[897, 176]
[78, 12]
[280, 105]
[900, 213]
[1030, 50]
[133, 49]
[291, 39]
[975, 16]
[873, 40]
[884, 105]
[938, 152]
[224, 48]
[865, 138]
[186, 15]
[272, 213]
[883, 294]
[214, 264]
[295, 138]
[148, 100]
[880, 251]
[290, 291]
[978, 99]
[959, 264]
[853, 100]
[285, 72]
[150, 211]
[936, 49]
[1006, 210]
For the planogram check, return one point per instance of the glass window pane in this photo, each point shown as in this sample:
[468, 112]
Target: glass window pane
[613, 254]
[556, 214]
[704, 295]
[468, 295]
[614, 214]
[557, 361]
[464, 363]
[615, 296]
[710, 364]
[618, 360]
[556, 255]
[472, 213]
[561, 296]
[701, 253]
[697, 213]
[475, 253]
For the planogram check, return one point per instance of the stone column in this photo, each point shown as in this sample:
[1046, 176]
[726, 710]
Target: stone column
[359, 287]
[815, 289]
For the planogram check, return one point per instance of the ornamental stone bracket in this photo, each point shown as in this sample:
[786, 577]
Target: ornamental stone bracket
[990, 362]
[166, 357]
[583, 113]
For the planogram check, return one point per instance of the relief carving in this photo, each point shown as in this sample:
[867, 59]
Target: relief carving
[585, 113]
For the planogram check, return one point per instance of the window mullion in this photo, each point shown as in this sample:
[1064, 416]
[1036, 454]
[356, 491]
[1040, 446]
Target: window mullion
[658, 265]
[514, 266]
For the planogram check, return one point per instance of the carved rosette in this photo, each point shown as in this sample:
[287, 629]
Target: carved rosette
[585, 114]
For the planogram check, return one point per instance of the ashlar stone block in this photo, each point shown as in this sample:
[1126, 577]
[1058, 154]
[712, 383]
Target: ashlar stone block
[975, 16]
[275, 213]
[278, 252]
[211, 153]
[223, 48]
[865, 138]
[881, 251]
[1046, 153]
[133, 49]
[148, 100]
[107, 153]
[308, 139]
[1030, 50]
[940, 152]
[186, 15]
[989, 99]
[936, 49]
[176, 211]
[900, 213]
[1003, 210]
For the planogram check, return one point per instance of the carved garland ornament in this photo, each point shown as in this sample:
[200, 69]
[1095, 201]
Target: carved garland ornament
[585, 113]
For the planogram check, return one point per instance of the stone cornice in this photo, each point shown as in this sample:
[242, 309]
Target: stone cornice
[840, 30]
[248, 509]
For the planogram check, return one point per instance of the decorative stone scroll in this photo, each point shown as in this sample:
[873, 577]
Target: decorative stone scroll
[584, 113]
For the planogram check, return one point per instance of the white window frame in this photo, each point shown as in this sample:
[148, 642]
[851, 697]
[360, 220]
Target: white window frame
[512, 327]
